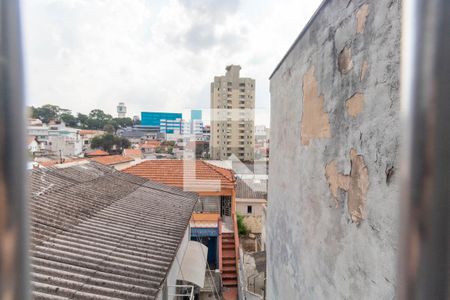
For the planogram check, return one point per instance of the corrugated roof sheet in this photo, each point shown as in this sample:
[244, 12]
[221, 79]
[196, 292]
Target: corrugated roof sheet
[97, 233]
[248, 189]
[171, 172]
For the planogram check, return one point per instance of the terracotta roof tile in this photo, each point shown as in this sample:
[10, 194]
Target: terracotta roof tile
[171, 172]
[150, 144]
[97, 152]
[87, 131]
[137, 153]
[110, 160]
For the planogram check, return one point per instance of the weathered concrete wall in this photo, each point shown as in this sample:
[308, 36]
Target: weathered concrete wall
[333, 207]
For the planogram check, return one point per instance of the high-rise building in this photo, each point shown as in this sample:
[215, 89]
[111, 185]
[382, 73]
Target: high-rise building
[232, 116]
[121, 110]
[164, 122]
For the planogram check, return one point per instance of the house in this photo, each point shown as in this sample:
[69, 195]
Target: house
[86, 137]
[134, 153]
[251, 203]
[214, 219]
[33, 144]
[97, 233]
[118, 162]
[149, 147]
[96, 153]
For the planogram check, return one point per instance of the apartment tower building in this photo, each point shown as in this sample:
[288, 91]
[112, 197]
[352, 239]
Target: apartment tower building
[232, 116]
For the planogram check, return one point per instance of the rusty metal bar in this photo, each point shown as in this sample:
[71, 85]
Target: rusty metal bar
[14, 273]
[425, 187]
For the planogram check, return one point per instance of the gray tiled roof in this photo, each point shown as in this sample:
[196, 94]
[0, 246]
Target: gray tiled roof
[97, 233]
[249, 189]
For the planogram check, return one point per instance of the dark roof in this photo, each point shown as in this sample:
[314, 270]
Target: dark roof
[249, 189]
[98, 233]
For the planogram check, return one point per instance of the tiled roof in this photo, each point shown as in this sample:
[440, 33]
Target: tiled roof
[112, 159]
[98, 233]
[171, 172]
[247, 189]
[87, 131]
[137, 153]
[150, 144]
[50, 163]
[97, 152]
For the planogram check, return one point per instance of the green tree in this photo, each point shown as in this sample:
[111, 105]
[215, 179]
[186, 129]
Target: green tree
[98, 119]
[110, 143]
[109, 128]
[242, 228]
[69, 119]
[83, 120]
[46, 113]
[122, 122]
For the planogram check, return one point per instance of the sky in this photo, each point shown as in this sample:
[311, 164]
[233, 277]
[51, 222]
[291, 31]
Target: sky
[154, 55]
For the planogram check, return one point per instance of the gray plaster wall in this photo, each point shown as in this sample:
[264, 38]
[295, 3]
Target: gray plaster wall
[316, 248]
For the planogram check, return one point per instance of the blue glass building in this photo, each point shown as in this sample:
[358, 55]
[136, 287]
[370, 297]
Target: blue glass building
[166, 122]
[196, 114]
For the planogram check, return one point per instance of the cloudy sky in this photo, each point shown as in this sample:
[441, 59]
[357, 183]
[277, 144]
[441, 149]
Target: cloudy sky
[154, 55]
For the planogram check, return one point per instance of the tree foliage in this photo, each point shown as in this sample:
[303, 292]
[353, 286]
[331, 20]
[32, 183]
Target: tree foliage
[242, 228]
[46, 113]
[96, 119]
[110, 143]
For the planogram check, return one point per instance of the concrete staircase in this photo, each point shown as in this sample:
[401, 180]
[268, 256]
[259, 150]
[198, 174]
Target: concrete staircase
[229, 273]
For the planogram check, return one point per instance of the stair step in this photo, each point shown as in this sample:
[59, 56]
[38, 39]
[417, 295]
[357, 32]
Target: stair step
[229, 268]
[228, 246]
[229, 276]
[230, 282]
[228, 254]
[229, 262]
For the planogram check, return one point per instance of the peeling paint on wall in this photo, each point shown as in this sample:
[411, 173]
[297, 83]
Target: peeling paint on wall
[315, 122]
[345, 62]
[336, 180]
[355, 104]
[361, 17]
[363, 72]
[359, 185]
[356, 185]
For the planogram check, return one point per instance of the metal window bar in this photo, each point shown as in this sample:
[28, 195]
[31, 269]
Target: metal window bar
[424, 267]
[189, 294]
[14, 270]
[425, 160]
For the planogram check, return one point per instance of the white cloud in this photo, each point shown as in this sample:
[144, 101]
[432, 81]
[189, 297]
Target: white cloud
[153, 55]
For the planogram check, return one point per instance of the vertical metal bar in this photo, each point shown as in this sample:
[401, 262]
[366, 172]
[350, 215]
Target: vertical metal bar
[425, 187]
[14, 283]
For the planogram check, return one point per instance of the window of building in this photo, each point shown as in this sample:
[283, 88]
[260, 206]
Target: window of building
[249, 209]
[229, 83]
